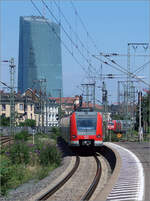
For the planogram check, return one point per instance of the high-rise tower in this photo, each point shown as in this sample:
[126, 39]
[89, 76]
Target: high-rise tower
[39, 55]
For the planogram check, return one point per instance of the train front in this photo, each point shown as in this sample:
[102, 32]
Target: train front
[86, 129]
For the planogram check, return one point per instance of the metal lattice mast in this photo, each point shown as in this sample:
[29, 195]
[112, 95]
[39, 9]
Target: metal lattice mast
[129, 85]
[127, 94]
[104, 96]
[12, 96]
[41, 88]
[42, 100]
[89, 93]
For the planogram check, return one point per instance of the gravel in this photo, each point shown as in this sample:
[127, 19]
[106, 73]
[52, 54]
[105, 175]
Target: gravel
[79, 183]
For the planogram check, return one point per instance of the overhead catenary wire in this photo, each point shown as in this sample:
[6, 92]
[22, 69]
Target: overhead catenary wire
[127, 72]
[75, 45]
[77, 38]
[141, 67]
[68, 36]
[75, 33]
[115, 54]
[121, 69]
[83, 25]
[71, 29]
[63, 43]
[5, 84]
[88, 36]
[138, 70]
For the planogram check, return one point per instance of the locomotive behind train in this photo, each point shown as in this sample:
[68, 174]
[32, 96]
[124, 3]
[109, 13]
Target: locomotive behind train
[82, 128]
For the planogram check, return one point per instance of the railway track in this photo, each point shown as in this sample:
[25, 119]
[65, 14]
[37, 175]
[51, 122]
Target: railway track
[88, 190]
[88, 176]
[94, 184]
[62, 182]
[4, 140]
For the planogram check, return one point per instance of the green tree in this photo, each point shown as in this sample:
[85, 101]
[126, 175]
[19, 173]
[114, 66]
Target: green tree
[117, 117]
[28, 122]
[4, 121]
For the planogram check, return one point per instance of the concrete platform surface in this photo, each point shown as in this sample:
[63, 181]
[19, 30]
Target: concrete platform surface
[142, 151]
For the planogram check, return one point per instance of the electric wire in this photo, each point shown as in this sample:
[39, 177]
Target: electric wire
[120, 68]
[88, 35]
[82, 23]
[76, 35]
[63, 43]
[89, 70]
[127, 72]
[82, 44]
[68, 36]
[5, 85]
[141, 67]
[136, 71]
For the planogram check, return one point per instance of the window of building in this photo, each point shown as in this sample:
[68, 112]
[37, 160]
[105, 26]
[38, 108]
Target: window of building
[21, 106]
[3, 107]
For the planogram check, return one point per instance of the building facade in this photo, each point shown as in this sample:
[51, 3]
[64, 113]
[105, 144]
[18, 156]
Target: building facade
[39, 55]
[24, 106]
[51, 113]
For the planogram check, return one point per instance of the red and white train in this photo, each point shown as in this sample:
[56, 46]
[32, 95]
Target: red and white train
[82, 128]
[119, 126]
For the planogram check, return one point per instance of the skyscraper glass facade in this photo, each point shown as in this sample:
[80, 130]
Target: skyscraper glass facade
[39, 55]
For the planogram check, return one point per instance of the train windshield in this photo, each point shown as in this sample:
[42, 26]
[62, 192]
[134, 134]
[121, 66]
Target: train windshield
[86, 124]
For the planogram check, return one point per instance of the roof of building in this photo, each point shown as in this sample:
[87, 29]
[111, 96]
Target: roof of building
[70, 101]
[67, 100]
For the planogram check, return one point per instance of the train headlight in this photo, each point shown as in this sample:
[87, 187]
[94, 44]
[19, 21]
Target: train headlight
[74, 136]
[98, 136]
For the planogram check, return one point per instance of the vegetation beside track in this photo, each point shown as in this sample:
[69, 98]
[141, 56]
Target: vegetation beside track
[27, 159]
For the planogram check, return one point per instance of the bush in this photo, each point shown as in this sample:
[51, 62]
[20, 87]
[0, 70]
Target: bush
[19, 153]
[13, 167]
[54, 129]
[18, 175]
[48, 154]
[55, 133]
[4, 121]
[5, 174]
[11, 176]
[113, 137]
[28, 122]
[23, 135]
[42, 172]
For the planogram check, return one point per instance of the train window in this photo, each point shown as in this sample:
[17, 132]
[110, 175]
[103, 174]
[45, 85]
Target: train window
[86, 124]
[111, 123]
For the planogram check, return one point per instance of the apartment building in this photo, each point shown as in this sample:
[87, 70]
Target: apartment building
[24, 105]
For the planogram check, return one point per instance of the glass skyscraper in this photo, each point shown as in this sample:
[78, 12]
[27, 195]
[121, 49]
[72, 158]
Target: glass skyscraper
[39, 55]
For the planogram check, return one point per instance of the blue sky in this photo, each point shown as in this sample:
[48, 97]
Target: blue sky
[112, 24]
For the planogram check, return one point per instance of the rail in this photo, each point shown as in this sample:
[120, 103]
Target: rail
[4, 140]
[61, 183]
[93, 186]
